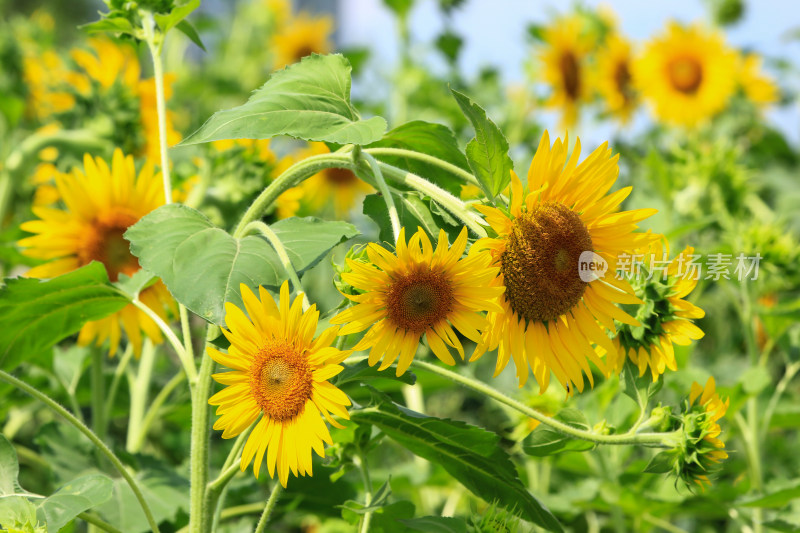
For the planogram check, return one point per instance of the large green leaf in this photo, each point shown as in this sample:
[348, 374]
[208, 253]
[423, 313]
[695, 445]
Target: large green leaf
[436, 524]
[487, 153]
[37, 314]
[640, 389]
[308, 100]
[430, 139]
[778, 494]
[308, 239]
[546, 441]
[470, 454]
[203, 266]
[58, 509]
[361, 371]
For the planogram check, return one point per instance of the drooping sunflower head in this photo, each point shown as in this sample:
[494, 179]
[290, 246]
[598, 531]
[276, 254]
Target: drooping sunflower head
[338, 184]
[416, 291]
[553, 247]
[687, 75]
[566, 47]
[701, 450]
[279, 376]
[757, 86]
[99, 204]
[613, 77]
[301, 36]
[665, 318]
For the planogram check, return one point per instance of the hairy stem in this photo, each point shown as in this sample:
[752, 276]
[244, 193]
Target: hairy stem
[273, 499]
[465, 175]
[387, 195]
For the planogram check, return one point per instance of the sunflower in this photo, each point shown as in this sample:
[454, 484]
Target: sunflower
[550, 308]
[757, 87]
[279, 374]
[418, 291]
[613, 77]
[666, 318]
[100, 204]
[564, 57]
[687, 75]
[302, 36]
[339, 184]
[703, 448]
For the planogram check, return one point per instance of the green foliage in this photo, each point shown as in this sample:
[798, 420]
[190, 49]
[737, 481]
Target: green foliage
[414, 210]
[309, 100]
[468, 453]
[361, 372]
[487, 153]
[546, 441]
[38, 314]
[203, 266]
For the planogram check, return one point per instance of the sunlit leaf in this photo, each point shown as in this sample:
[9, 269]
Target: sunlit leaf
[545, 441]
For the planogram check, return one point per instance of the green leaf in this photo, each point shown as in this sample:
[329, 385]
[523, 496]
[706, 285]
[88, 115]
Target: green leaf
[166, 494]
[449, 44]
[201, 265]
[400, 7]
[68, 366]
[380, 499]
[182, 9]
[309, 239]
[37, 314]
[487, 153]
[755, 379]
[133, 285]
[74, 498]
[545, 441]
[309, 100]
[782, 525]
[109, 25]
[9, 468]
[661, 463]
[469, 453]
[361, 371]
[778, 495]
[436, 524]
[640, 389]
[430, 139]
[188, 30]
[18, 514]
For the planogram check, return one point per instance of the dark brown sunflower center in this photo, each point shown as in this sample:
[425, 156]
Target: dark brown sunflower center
[280, 380]
[570, 74]
[622, 78]
[686, 74]
[105, 243]
[303, 51]
[418, 300]
[540, 263]
[340, 176]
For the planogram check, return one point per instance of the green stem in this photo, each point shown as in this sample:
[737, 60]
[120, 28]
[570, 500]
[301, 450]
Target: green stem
[98, 393]
[118, 372]
[141, 388]
[52, 404]
[155, 407]
[288, 179]
[385, 192]
[201, 416]
[154, 44]
[454, 205]
[216, 490]
[276, 243]
[364, 468]
[186, 333]
[91, 518]
[769, 412]
[425, 158]
[654, 440]
[273, 499]
[186, 359]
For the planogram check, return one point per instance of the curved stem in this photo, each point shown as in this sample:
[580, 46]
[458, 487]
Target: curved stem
[789, 373]
[120, 370]
[273, 499]
[98, 393]
[90, 518]
[655, 440]
[454, 205]
[152, 411]
[174, 341]
[139, 392]
[105, 450]
[216, 489]
[288, 179]
[425, 158]
[276, 243]
[385, 192]
[154, 44]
